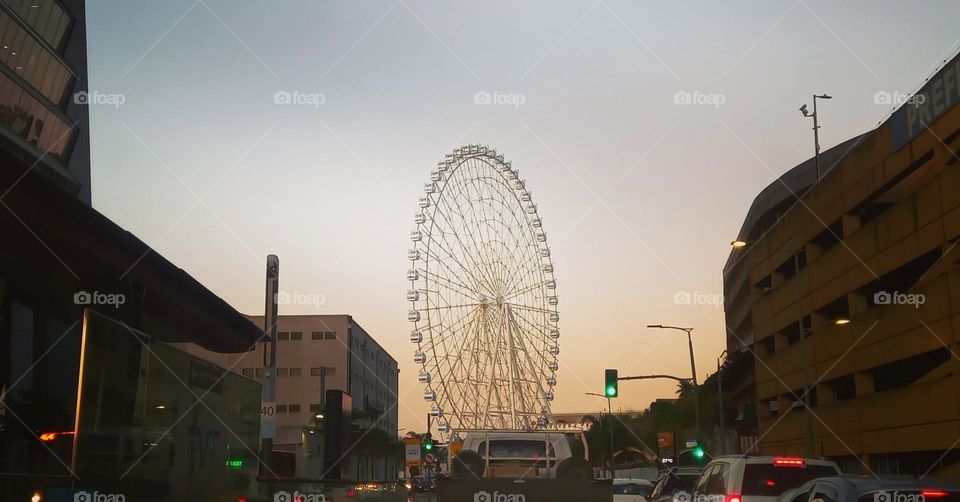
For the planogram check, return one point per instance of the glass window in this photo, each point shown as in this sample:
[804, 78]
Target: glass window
[23, 54]
[770, 480]
[316, 335]
[294, 408]
[281, 408]
[45, 16]
[283, 335]
[282, 372]
[823, 493]
[248, 372]
[294, 372]
[296, 335]
[330, 335]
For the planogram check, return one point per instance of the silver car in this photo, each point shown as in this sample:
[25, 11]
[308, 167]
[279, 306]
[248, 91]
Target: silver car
[757, 478]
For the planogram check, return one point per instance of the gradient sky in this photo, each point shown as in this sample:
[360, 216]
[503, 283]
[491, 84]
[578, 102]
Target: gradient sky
[639, 196]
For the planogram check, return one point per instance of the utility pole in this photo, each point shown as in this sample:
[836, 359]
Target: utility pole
[269, 393]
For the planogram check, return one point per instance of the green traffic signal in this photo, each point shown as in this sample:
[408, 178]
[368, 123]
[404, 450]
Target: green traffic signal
[698, 452]
[427, 442]
[610, 387]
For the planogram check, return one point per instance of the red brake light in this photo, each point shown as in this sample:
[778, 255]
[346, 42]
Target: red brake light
[789, 462]
[732, 498]
[933, 493]
[771, 482]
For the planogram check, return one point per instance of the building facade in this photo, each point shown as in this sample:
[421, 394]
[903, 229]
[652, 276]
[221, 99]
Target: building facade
[316, 353]
[44, 99]
[848, 293]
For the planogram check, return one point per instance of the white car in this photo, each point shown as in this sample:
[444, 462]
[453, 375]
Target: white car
[757, 478]
[631, 490]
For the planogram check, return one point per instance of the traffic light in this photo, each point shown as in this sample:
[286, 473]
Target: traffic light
[610, 386]
[698, 453]
[427, 442]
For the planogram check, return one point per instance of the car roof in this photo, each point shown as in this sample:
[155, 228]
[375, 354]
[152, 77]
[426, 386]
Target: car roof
[870, 483]
[768, 459]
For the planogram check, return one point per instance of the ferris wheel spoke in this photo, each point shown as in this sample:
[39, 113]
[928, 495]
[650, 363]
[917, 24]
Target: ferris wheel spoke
[491, 283]
[474, 270]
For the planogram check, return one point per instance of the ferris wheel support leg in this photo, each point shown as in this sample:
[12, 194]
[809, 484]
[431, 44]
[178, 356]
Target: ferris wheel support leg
[512, 357]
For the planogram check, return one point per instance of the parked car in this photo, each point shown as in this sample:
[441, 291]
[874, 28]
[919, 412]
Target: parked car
[675, 485]
[758, 478]
[631, 490]
[872, 489]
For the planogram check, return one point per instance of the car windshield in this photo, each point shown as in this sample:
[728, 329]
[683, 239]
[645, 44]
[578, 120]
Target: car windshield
[771, 480]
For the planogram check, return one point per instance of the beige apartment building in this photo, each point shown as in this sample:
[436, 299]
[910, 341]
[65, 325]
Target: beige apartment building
[316, 353]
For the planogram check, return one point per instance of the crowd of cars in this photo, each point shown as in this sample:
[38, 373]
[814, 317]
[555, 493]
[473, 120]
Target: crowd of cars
[750, 478]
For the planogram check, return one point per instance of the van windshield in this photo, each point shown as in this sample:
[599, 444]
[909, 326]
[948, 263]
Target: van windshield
[518, 448]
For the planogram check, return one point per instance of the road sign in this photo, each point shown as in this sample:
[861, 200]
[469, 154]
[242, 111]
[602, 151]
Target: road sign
[411, 450]
[268, 419]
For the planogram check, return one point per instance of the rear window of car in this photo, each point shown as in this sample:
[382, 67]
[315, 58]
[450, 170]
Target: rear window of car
[770, 480]
[684, 482]
[631, 489]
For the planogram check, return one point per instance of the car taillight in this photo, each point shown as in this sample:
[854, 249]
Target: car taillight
[789, 462]
[933, 493]
[732, 498]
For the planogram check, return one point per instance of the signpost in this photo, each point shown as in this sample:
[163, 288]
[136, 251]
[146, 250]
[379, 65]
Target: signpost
[411, 451]
[268, 419]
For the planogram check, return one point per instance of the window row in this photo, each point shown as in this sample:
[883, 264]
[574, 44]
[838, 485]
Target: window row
[26, 117]
[46, 17]
[23, 54]
[291, 372]
[284, 336]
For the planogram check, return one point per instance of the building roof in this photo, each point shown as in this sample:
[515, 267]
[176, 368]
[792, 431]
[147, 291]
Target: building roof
[78, 240]
[774, 200]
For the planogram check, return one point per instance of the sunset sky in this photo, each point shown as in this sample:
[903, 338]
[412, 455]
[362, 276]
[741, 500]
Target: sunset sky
[640, 195]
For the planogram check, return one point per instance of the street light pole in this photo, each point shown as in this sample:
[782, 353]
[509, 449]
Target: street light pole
[693, 371]
[816, 129]
[609, 427]
[723, 437]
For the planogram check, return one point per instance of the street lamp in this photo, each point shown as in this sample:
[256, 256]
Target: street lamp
[816, 129]
[610, 414]
[693, 371]
[723, 437]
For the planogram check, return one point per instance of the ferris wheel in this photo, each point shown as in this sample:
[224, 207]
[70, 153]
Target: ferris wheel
[482, 296]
